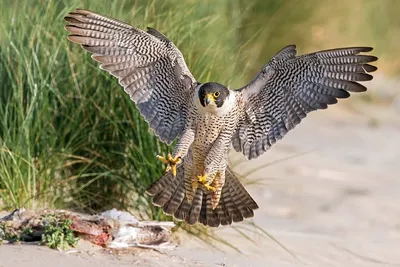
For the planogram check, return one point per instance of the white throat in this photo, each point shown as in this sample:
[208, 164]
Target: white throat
[212, 108]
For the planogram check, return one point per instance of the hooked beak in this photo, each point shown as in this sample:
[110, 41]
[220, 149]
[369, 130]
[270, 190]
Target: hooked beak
[209, 98]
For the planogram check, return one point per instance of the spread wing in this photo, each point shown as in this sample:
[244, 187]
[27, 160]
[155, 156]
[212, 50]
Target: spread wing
[149, 66]
[289, 86]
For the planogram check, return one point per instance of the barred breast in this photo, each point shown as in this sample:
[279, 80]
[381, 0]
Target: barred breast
[208, 128]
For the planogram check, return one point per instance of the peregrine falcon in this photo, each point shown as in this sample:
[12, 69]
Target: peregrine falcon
[208, 118]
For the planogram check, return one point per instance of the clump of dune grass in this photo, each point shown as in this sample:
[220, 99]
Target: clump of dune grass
[69, 135]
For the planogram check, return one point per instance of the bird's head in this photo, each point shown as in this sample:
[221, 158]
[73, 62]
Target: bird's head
[212, 96]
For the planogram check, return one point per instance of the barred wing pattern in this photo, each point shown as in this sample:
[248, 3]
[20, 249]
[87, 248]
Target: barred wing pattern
[289, 86]
[149, 66]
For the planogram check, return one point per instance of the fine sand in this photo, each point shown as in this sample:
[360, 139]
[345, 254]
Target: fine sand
[336, 202]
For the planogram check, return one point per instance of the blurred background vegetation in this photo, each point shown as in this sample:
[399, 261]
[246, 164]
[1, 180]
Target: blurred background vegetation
[71, 138]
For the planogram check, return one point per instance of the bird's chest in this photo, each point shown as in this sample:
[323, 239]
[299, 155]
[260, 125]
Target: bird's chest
[208, 129]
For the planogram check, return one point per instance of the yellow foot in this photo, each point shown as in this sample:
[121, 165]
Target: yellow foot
[202, 179]
[171, 163]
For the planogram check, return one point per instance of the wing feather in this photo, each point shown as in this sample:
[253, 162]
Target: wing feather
[290, 86]
[150, 67]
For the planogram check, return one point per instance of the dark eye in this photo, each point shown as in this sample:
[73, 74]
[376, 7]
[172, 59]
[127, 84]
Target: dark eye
[216, 94]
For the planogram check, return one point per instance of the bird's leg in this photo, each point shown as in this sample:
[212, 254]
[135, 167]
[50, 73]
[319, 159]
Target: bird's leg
[218, 183]
[202, 179]
[171, 162]
[180, 151]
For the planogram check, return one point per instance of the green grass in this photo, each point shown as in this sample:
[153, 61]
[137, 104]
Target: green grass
[69, 136]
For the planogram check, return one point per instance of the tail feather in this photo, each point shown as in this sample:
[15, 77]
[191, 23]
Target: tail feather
[235, 203]
[219, 213]
[240, 205]
[164, 195]
[230, 203]
[162, 183]
[183, 210]
[243, 197]
[162, 189]
[161, 198]
[223, 213]
[173, 204]
[203, 211]
[195, 209]
[189, 212]
[175, 201]
[210, 212]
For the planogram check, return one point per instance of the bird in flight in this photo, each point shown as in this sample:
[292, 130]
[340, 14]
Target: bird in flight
[208, 118]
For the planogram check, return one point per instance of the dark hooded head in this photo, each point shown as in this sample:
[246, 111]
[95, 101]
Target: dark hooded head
[213, 94]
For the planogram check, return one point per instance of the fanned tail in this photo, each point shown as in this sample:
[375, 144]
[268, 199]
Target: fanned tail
[234, 206]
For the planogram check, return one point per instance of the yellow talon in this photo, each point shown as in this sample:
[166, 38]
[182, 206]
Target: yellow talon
[171, 163]
[162, 159]
[203, 180]
[209, 187]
